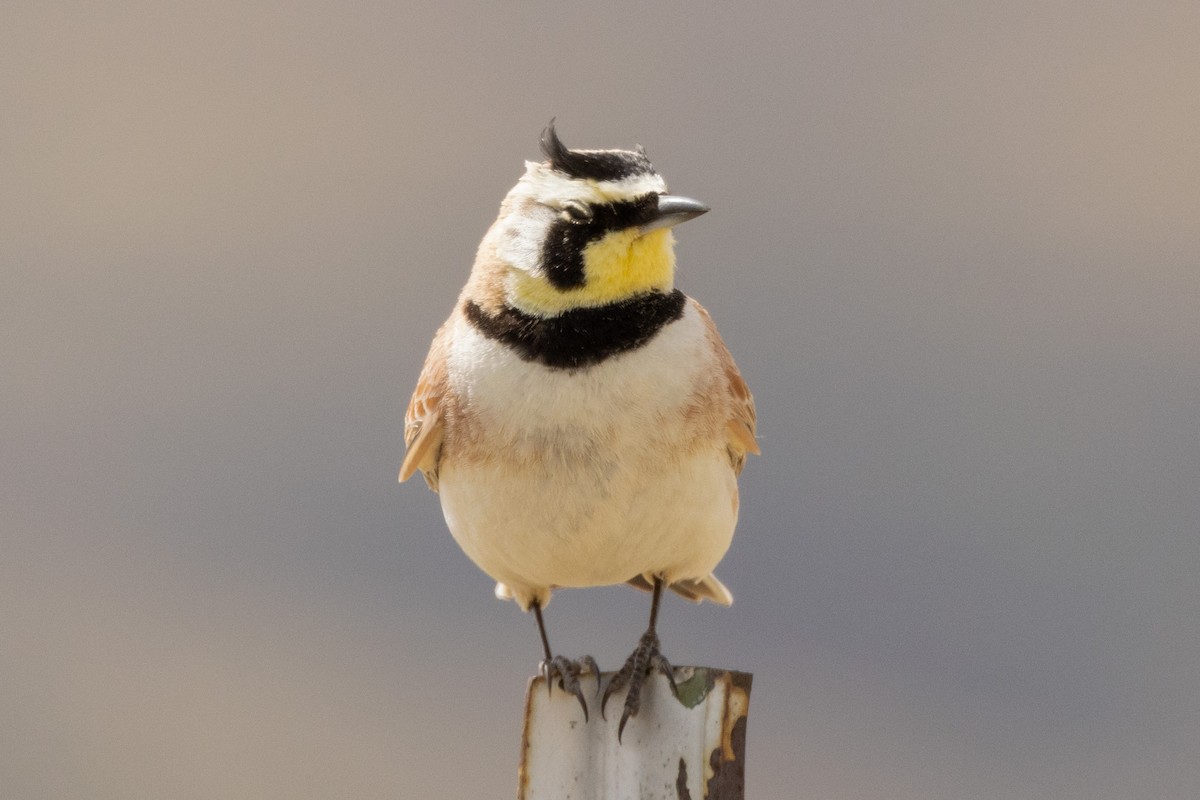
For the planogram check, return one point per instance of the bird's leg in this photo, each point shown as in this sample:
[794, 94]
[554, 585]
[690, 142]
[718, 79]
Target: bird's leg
[645, 659]
[564, 670]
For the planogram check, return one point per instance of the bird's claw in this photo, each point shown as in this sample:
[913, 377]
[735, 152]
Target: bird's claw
[591, 666]
[645, 659]
[566, 672]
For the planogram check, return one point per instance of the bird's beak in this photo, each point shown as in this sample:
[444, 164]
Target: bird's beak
[673, 210]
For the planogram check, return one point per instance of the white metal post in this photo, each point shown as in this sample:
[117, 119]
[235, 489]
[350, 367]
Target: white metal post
[688, 748]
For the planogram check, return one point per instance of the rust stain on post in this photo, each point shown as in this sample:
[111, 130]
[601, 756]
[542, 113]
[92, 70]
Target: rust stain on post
[727, 762]
[523, 766]
[681, 790]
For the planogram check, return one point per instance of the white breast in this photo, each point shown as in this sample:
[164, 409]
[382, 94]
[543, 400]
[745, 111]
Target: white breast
[590, 477]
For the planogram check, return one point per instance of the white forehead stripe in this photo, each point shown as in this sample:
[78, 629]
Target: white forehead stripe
[548, 186]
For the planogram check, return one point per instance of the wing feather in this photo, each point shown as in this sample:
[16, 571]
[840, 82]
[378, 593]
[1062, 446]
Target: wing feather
[742, 424]
[423, 421]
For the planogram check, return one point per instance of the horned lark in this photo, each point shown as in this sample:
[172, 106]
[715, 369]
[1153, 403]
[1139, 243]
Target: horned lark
[580, 417]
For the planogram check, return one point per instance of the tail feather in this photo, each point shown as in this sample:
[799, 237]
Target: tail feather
[696, 590]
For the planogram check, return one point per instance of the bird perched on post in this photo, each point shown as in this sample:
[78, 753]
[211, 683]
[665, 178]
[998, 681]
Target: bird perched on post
[581, 417]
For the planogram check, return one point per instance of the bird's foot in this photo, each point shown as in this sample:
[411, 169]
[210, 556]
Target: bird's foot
[645, 659]
[566, 672]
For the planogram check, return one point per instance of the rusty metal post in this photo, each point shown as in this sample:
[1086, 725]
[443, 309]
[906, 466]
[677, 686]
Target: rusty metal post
[690, 748]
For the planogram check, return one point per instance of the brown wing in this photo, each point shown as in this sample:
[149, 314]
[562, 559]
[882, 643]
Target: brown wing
[423, 420]
[742, 421]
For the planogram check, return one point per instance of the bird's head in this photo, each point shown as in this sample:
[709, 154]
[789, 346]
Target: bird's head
[585, 228]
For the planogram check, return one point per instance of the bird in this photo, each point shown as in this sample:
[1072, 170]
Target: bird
[580, 417]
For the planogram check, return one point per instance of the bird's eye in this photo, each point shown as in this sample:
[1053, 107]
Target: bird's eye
[576, 211]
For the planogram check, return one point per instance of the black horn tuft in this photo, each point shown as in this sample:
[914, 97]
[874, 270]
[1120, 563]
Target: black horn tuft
[553, 147]
[598, 165]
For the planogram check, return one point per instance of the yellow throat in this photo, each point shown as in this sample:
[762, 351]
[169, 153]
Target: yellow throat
[619, 266]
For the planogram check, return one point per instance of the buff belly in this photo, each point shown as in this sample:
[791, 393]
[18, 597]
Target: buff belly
[535, 529]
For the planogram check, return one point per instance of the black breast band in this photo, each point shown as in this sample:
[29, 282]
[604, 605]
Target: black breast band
[584, 336]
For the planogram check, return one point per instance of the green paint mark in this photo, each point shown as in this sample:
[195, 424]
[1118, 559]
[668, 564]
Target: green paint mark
[693, 691]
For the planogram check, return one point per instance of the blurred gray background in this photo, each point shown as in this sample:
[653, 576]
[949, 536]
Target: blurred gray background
[953, 246]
